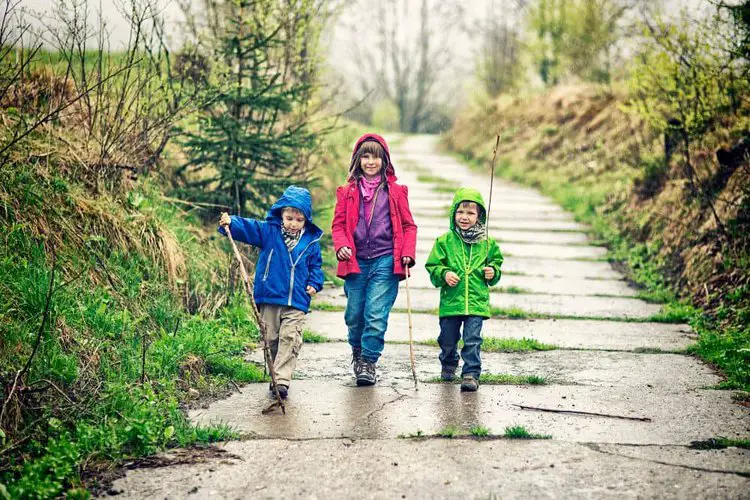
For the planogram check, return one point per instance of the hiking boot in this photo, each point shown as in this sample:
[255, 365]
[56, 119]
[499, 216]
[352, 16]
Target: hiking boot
[469, 383]
[367, 374]
[448, 373]
[283, 390]
[357, 361]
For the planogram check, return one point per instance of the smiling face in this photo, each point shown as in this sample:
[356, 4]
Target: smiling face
[467, 214]
[371, 165]
[292, 219]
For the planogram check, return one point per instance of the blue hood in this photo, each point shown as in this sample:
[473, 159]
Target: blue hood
[299, 198]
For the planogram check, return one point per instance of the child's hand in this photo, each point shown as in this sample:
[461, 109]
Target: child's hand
[407, 261]
[452, 278]
[225, 220]
[311, 291]
[489, 273]
[344, 253]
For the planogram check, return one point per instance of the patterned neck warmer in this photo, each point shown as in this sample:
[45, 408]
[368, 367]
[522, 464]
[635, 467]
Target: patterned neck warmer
[474, 234]
[291, 239]
[368, 188]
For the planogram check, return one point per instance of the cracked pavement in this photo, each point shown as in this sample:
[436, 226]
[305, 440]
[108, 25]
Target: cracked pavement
[341, 441]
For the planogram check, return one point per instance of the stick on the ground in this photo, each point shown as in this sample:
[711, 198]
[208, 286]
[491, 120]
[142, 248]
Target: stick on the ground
[576, 412]
[411, 338]
[279, 403]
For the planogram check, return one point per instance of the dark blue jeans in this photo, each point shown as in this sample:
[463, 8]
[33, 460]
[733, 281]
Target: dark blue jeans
[370, 297]
[450, 334]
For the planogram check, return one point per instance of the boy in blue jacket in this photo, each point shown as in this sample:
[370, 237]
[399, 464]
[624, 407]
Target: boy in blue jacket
[288, 273]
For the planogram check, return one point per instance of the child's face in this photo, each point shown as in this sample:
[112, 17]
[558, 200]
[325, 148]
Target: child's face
[293, 220]
[467, 214]
[371, 166]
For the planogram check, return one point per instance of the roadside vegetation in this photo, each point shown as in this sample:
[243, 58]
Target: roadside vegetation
[120, 307]
[653, 156]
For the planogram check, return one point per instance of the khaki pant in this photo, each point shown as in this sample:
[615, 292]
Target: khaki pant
[284, 326]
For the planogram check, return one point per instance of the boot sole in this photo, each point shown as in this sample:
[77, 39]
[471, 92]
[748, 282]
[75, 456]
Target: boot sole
[365, 382]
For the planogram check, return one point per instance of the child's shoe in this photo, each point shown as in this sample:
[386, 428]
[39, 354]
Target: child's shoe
[283, 390]
[367, 375]
[448, 373]
[469, 383]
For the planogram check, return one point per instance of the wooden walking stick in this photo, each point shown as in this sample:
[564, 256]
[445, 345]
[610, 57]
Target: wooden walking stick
[279, 403]
[411, 338]
[489, 205]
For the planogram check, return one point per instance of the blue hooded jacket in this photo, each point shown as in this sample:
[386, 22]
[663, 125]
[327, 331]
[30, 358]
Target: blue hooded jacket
[281, 276]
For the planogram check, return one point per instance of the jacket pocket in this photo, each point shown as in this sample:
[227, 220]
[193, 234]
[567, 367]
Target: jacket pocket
[268, 265]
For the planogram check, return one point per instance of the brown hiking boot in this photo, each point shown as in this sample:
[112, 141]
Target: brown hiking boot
[469, 383]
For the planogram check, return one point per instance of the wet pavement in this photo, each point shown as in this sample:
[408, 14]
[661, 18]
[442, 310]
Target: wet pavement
[340, 441]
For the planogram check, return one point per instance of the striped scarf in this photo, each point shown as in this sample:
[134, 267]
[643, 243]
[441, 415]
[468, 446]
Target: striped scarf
[291, 239]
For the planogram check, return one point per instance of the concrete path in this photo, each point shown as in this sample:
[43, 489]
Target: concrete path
[340, 441]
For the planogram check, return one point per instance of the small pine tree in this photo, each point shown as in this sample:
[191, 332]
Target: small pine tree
[252, 139]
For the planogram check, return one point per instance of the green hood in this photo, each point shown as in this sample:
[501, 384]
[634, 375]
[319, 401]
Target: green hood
[467, 194]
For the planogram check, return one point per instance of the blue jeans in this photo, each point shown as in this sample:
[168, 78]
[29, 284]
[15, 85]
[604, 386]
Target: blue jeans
[370, 297]
[450, 334]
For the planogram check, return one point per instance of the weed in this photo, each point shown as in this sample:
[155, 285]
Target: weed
[479, 431]
[720, 443]
[448, 432]
[508, 344]
[520, 432]
[310, 337]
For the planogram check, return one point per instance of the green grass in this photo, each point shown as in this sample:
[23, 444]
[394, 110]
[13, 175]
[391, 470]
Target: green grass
[310, 337]
[520, 432]
[720, 443]
[511, 289]
[499, 379]
[479, 431]
[507, 344]
[113, 300]
[448, 432]
[325, 306]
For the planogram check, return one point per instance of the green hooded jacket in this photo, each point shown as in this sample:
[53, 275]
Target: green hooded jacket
[472, 294]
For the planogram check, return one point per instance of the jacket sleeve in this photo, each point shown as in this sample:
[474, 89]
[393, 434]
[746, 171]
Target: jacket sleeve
[248, 231]
[494, 260]
[410, 228]
[315, 271]
[338, 226]
[437, 263]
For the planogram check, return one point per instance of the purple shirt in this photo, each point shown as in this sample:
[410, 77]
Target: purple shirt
[376, 239]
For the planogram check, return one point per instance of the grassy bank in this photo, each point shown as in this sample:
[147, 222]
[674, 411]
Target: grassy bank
[577, 146]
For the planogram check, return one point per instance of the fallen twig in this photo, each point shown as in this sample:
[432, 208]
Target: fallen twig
[576, 412]
[236, 386]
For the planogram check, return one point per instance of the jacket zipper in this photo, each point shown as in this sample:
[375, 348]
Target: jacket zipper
[467, 272]
[268, 265]
[294, 266]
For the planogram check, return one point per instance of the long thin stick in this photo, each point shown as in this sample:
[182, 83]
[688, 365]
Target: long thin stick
[576, 412]
[279, 403]
[411, 338]
[489, 205]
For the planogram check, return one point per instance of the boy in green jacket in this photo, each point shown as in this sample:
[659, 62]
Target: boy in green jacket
[464, 263]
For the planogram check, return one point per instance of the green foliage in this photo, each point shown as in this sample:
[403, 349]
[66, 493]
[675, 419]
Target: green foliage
[507, 344]
[255, 138]
[684, 78]
[448, 432]
[479, 431]
[112, 303]
[385, 116]
[720, 443]
[574, 37]
[520, 432]
[507, 379]
[310, 337]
